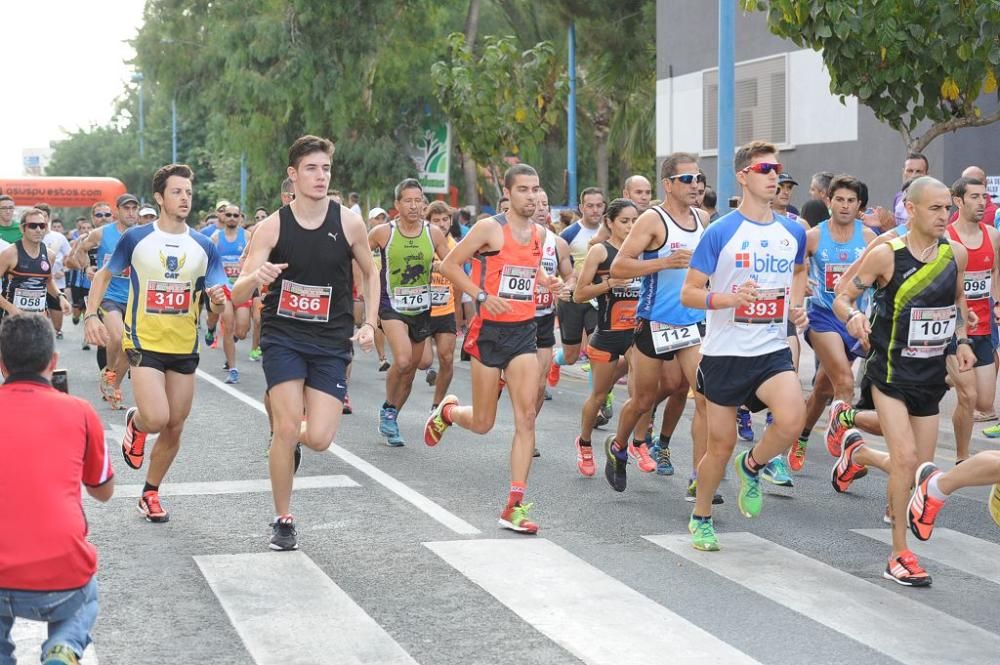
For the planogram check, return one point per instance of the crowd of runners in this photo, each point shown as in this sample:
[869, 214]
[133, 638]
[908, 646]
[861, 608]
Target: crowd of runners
[675, 300]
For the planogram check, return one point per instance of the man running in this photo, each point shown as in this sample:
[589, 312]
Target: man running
[304, 252]
[231, 242]
[754, 259]
[170, 268]
[933, 487]
[408, 246]
[507, 252]
[442, 323]
[26, 269]
[919, 306]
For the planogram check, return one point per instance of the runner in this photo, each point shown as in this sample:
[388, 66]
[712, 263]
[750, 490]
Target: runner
[408, 246]
[919, 306]
[442, 324]
[104, 238]
[170, 267]
[79, 282]
[304, 252]
[26, 269]
[57, 243]
[616, 305]
[231, 242]
[754, 259]
[507, 250]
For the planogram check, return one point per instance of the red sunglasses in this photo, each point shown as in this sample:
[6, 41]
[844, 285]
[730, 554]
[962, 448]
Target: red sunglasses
[765, 167]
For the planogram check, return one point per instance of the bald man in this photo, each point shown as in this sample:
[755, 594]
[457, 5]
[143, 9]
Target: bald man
[990, 214]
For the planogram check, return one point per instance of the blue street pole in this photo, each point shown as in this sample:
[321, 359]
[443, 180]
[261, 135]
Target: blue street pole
[173, 130]
[571, 122]
[243, 183]
[725, 177]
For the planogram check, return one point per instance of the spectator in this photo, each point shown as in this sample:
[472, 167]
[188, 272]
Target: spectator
[914, 166]
[819, 186]
[709, 204]
[814, 211]
[55, 443]
[354, 199]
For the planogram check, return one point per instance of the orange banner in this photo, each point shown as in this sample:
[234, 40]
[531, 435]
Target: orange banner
[62, 192]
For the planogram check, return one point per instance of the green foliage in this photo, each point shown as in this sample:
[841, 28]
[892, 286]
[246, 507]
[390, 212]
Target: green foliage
[910, 61]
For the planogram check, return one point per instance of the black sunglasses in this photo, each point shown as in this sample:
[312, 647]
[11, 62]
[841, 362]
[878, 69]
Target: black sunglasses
[101, 215]
[230, 214]
[35, 226]
[687, 178]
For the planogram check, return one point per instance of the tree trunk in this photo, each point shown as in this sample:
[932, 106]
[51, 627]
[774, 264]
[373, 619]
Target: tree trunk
[472, 23]
[602, 128]
[469, 169]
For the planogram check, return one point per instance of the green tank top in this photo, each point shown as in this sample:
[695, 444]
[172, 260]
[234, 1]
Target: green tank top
[406, 271]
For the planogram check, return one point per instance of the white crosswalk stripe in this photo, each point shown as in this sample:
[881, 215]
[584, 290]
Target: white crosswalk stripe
[862, 611]
[957, 550]
[578, 606]
[29, 637]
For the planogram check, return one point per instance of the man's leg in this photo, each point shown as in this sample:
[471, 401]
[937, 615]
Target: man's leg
[522, 376]
[405, 357]
[117, 360]
[287, 401]
[479, 416]
[689, 359]
[255, 309]
[228, 326]
[446, 364]
[980, 469]
[544, 362]
[71, 621]
[986, 388]
[179, 393]
[933, 487]
[962, 417]
[829, 348]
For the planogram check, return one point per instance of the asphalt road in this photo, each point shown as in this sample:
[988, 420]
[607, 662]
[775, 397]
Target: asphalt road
[401, 559]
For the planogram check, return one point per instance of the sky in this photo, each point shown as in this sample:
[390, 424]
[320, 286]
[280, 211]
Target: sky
[64, 65]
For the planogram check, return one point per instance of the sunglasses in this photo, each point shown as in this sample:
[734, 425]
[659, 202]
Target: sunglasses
[765, 167]
[36, 226]
[687, 178]
[230, 214]
[102, 215]
[7, 208]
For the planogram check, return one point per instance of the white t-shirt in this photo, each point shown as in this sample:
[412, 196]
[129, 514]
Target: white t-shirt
[59, 246]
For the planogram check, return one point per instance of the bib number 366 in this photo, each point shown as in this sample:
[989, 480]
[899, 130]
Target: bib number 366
[304, 302]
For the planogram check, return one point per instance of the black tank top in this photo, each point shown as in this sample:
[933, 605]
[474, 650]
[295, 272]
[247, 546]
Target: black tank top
[616, 308]
[28, 281]
[311, 299]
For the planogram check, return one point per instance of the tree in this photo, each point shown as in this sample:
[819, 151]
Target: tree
[503, 102]
[909, 61]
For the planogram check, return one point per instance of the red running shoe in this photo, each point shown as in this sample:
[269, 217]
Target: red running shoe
[845, 471]
[134, 442]
[905, 569]
[835, 432]
[642, 458]
[149, 505]
[923, 508]
[554, 373]
[585, 459]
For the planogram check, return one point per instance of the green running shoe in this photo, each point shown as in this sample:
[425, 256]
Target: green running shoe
[992, 432]
[749, 499]
[703, 534]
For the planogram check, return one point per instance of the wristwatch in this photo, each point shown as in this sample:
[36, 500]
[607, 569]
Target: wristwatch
[964, 340]
[482, 296]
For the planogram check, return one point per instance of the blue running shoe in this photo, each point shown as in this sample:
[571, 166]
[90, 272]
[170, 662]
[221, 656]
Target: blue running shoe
[389, 428]
[744, 426]
[776, 472]
[234, 376]
[664, 467]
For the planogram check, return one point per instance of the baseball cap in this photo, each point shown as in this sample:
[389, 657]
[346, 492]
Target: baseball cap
[147, 211]
[786, 177]
[375, 212]
[126, 198]
[222, 204]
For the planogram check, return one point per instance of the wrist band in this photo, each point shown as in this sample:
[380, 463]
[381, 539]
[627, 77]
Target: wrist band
[853, 314]
[91, 316]
[708, 300]
[370, 325]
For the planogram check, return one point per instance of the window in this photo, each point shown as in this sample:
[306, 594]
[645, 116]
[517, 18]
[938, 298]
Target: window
[761, 103]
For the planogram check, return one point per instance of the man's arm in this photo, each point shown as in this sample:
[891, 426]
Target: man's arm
[440, 243]
[256, 270]
[585, 287]
[52, 288]
[647, 232]
[485, 235]
[8, 261]
[876, 267]
[878, 241]
[356, 236]
[78, 253]
[98, 476]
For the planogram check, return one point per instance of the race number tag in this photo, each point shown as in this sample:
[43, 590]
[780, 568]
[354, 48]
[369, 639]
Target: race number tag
[29, 300]
[667, 338]
[931, 328]
[172, 298]
[440, 295]
[767, 310]
[232, 269]
[411, 299]
[978, 284]
[517, 283]
[832, 275]
[629, 291]
[304, 302]
[543, 298]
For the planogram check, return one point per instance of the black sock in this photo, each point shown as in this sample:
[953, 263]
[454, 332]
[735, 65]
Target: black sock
[701, 518]
[386, 405]
[150, 488]
[211, 330]
[664, 441]
[750, 464]
[805, 433]
[585, 443]
[638, 442]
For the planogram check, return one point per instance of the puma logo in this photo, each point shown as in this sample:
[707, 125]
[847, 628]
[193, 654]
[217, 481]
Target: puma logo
[333, 235]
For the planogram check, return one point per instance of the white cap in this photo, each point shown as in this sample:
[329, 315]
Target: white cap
[375, 212]
[147, 211]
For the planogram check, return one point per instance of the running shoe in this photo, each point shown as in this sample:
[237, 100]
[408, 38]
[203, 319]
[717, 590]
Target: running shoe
[584, 459]
[85, 347]
[585, 366]
[297, 457]
[608, 408]
[383, 365]
[210, 337]
[642, 458]
[797, 456]
[107, 385]
[703, 534]
[548, 395]
[692, 494]
[536, 453]
[149, 506]
[115, 402]
[284, 538]
[614, 468]
[600, 420]
[992, 432]
[59, 334]
[255, 354]
[435, 427]
[554, 373]
[744, 426]
[515, 518]
[431, 377]
[845, 471]
[905, 569]
[389, 428]
[835, 432]
[922, 509]
[995, 504]
[776, 472]
[887, 515]
[234, 376]
[749, 499]
[664, 467]
[60, 654]
[225, 366]
[347, 410]
[134, 442]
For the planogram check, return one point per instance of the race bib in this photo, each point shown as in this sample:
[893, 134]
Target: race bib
[303, 302]
[440, 295]
[978, 284]
[411, 299]
[29, 300]
[517, 283]
[769, 308]
[832, 275]
[171, 298]
[668, 338]
[543, 298]
[629, 291]
[232, 269]
[931, 328]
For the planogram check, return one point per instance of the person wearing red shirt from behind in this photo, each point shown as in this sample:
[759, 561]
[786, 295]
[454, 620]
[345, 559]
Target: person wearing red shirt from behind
[55, 443]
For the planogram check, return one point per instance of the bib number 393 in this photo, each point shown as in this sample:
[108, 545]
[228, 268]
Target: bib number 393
[29, 300]
[173, 298]
[931, 328]
[769, 308]
[304, 302]
[517, 283]
[667, 338]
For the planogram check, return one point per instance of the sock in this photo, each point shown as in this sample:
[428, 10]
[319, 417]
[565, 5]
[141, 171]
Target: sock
[934, 491]
[750, 465]
[701, 518]
[446, 413]
[805, 434]
[557, 357]
[150, 488]
[619, 451]
[212, 330]
[386, 405]
[638, 442]
[664, 441]
[516, 493]
[585, 443]
[847, 417]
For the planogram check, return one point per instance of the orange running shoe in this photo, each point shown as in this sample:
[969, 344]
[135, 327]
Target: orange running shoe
[797, 456]
[905, 569]
[554, 373]
[515, 518]
[134, 443]
[845, 471]
[585, 459]
[107, 385]
[835, 432]
[149, 505]
[923, 508]
[642, 458]
[116, 401]
[436, 426]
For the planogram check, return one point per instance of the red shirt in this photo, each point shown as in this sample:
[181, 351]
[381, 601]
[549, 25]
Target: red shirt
[978, 279]
[50, 442]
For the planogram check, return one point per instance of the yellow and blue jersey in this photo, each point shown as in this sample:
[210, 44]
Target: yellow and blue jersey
[168, 274]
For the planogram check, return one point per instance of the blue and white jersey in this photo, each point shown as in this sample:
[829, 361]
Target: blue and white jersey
[660, 293]
[733, 250]
[117, 290]
[832, 259]
[578, 237]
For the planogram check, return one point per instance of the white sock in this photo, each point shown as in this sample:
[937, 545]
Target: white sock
[933, 490]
